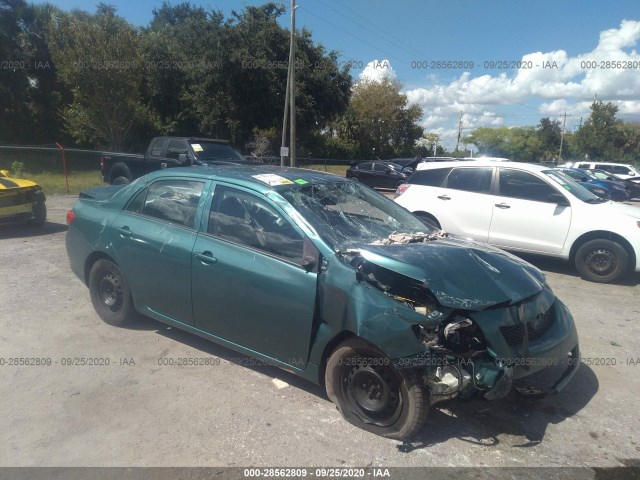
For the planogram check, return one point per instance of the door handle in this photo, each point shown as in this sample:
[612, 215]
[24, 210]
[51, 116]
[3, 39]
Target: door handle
[124, 231]
[444, 197]
[206, 257]
[502, 205]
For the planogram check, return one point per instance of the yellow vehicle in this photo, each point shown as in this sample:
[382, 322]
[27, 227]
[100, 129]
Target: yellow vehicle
[21, 201]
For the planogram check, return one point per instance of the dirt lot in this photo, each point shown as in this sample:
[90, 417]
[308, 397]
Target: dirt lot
[141, 411]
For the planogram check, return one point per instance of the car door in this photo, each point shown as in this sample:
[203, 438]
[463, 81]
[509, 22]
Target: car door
[381, 178]
[249, 283]
[365, 173]
[464, 202]
[153, 243]
[525, 214]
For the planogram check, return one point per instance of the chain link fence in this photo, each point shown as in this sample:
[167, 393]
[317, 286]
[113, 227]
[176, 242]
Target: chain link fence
[52, 165]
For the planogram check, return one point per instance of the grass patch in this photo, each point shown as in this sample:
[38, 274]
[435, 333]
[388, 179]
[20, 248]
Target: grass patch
[54, 183]
[340, 170]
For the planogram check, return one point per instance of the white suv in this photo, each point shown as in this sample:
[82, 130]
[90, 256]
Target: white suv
[620, 170]
[527, 208]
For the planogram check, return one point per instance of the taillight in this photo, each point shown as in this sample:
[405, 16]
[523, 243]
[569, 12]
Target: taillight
[402, 188]
[70, 216]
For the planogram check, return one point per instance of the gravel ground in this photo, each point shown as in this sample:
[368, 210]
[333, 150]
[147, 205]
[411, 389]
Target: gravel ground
[137, 412]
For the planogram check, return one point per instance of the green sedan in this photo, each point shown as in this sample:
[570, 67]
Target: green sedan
[325, 278]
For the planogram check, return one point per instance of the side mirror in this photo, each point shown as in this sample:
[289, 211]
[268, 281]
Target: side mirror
[559, 199]
[388, 170]
[182, 157]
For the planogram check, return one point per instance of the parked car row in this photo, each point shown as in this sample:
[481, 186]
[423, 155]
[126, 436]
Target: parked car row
[527, 208]
[606, 189]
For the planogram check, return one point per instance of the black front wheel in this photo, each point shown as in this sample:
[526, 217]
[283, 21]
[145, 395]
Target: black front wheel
[110, 294]
[601, 261]
[371, 394]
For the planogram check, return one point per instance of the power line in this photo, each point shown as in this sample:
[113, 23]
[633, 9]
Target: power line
[379, 31]
[391, 55]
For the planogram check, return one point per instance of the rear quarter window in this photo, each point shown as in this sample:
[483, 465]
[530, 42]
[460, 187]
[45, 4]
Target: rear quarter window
[429, 178]
[474, 179]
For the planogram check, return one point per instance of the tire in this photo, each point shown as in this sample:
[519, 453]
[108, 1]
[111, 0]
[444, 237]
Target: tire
[601, 261]
[428, 220]
[398, 407]
[120, 181]
[110, 294]
[120, 174]
[39, 211]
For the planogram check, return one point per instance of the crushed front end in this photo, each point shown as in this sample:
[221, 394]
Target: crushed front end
[483, 341]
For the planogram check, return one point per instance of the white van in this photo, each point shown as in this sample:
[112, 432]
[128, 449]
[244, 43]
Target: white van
[620, 170]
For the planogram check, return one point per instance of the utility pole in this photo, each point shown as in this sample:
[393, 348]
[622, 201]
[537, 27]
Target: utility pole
[564, 122]
[284, 118]
[459, 131]
[289, 98]
[292, 87]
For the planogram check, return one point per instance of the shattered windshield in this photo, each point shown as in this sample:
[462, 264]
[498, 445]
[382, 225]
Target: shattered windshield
[347, 214]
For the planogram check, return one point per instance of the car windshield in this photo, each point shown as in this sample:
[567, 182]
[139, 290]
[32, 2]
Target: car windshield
[573, 187]
[601, 174]
[588, 173]
[348, 214]
[214, 150]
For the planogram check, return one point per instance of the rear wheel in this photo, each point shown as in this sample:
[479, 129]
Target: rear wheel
[110, 294]
[428, 220]
[601, 261]
[120, 181]
[371, 394]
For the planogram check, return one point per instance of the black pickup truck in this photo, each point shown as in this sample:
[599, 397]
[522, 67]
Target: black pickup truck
[167, 152]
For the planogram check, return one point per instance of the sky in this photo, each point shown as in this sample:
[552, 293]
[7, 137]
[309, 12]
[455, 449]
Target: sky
[488, 63]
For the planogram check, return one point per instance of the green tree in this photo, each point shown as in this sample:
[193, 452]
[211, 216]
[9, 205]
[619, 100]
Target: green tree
[549, 133]
[516, 143]
[629, 140]
[99, 58]
[380, 121]
[14, 81]
[600, 136]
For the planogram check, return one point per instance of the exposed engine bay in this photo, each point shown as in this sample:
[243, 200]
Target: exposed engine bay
[456, 361]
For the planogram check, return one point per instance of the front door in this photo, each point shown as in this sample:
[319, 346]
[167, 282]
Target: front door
[249, 285]
[526, 216]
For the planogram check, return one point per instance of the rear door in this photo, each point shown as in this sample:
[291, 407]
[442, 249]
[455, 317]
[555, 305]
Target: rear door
[153, 242]
[464, 202]
[249, 285]
[525, 217]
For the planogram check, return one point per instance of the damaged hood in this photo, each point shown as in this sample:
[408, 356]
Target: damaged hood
[460, 273]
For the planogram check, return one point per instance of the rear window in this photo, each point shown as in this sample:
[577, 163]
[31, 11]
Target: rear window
[429, 178]
[475, 179]
[619, 169]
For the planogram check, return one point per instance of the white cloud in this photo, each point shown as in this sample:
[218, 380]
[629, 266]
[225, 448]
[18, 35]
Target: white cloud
[565, 84]
[377, 70]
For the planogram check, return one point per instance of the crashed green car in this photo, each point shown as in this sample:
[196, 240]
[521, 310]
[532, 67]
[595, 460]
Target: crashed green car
[324, 278]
